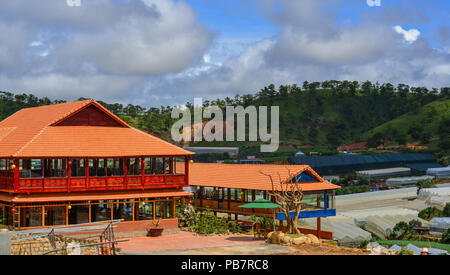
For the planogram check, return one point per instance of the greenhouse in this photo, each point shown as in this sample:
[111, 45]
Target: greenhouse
[403, 181]
[381, 221]
[441, 173]
[341, 164]
[383, 173]
[439, 224]
[345, 233]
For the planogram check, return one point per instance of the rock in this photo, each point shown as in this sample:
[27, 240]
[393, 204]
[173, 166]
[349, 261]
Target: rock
[276, 237]
[299, 240]
[286, 240]
[313, 239]
[307, 240]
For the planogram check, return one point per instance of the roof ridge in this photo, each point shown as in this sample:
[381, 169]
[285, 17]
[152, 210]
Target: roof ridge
[160, 139]
[30, 141]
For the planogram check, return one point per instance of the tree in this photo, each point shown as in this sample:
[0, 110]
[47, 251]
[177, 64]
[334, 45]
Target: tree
[289, 196]
[446, 236]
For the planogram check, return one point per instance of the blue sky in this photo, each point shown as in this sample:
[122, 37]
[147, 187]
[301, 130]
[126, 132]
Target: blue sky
[166, 52]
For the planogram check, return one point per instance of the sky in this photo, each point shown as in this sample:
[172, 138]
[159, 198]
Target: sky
[167, 52]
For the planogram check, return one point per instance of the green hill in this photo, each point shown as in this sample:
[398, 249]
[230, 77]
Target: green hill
[424, 124]
[324, 114]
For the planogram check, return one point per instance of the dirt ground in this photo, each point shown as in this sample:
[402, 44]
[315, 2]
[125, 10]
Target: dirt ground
[323, 249]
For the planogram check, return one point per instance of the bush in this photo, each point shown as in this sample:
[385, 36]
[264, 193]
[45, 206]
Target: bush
[446, 236]
[429, 213]
[205, 222]
[446, 210]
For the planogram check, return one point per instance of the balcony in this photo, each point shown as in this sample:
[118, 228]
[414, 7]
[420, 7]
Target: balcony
[74, 184]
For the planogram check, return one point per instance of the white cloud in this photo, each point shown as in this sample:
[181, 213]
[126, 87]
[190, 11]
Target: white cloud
[373, 3]
[410, 35]
[96, 48]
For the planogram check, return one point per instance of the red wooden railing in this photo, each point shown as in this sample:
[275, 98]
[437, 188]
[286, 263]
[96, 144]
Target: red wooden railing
[34, 185]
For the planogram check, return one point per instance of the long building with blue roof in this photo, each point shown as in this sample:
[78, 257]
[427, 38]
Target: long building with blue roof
[342, 164]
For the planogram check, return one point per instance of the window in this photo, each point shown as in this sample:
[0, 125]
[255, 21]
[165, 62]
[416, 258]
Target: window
[143, 211]
[115, 167]
[78, 168]
[55, 215]
[148, 166]
[31, 216]
[55, 168]
[4, 164]
[134, 166]
[101, 170]
[164, 210]
[123, 211]
[30, 168]
[159, 167]
[78, 214]
[97, 168]
[100, 212]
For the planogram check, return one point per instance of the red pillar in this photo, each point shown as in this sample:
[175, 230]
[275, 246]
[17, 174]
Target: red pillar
[86, 164]
[16, 175]
[318, 227]
[68, 162]
[125, 171]
[142, 172]
[186, 170]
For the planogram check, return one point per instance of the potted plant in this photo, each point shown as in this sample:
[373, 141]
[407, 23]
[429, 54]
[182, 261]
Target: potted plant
[156, 230]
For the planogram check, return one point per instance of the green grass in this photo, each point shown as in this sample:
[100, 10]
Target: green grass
[416, 243]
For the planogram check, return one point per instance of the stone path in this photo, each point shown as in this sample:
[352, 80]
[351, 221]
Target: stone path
[183, 241]
[249, 249]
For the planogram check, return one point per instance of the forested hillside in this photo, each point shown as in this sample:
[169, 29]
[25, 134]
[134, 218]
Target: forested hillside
[325, 114]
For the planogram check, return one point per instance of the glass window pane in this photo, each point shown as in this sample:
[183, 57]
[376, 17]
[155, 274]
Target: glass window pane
[78, 168]
[55, 168]
[159, 169]
[30, 216]
[143, 211]
[100, 212]
[164, 209]
[79, 214]
[55, 215]
[134, 166]
[123, 211]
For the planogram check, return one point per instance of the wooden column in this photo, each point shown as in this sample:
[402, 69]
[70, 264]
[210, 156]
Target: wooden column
[125, 171]
[69, 168]
[43, 215]
[142, 172]
[86, 165]
[43, 173]
[318, 227]
[16, 175]
[253, 195]
[229, 198]
[186, 170]
[201, 196]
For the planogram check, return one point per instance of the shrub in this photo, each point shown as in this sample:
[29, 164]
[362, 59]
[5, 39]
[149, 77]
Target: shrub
[429, 213]
[446, 210]
[205, 222]
[446, 236]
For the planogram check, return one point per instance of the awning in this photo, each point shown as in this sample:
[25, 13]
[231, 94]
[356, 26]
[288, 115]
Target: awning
[91, 196]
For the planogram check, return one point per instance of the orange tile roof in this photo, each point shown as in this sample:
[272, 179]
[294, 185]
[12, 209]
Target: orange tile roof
[248, 176]
[92, 196]
[30, 133]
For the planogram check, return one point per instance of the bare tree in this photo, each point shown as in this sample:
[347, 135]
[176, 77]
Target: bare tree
[289, 196]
